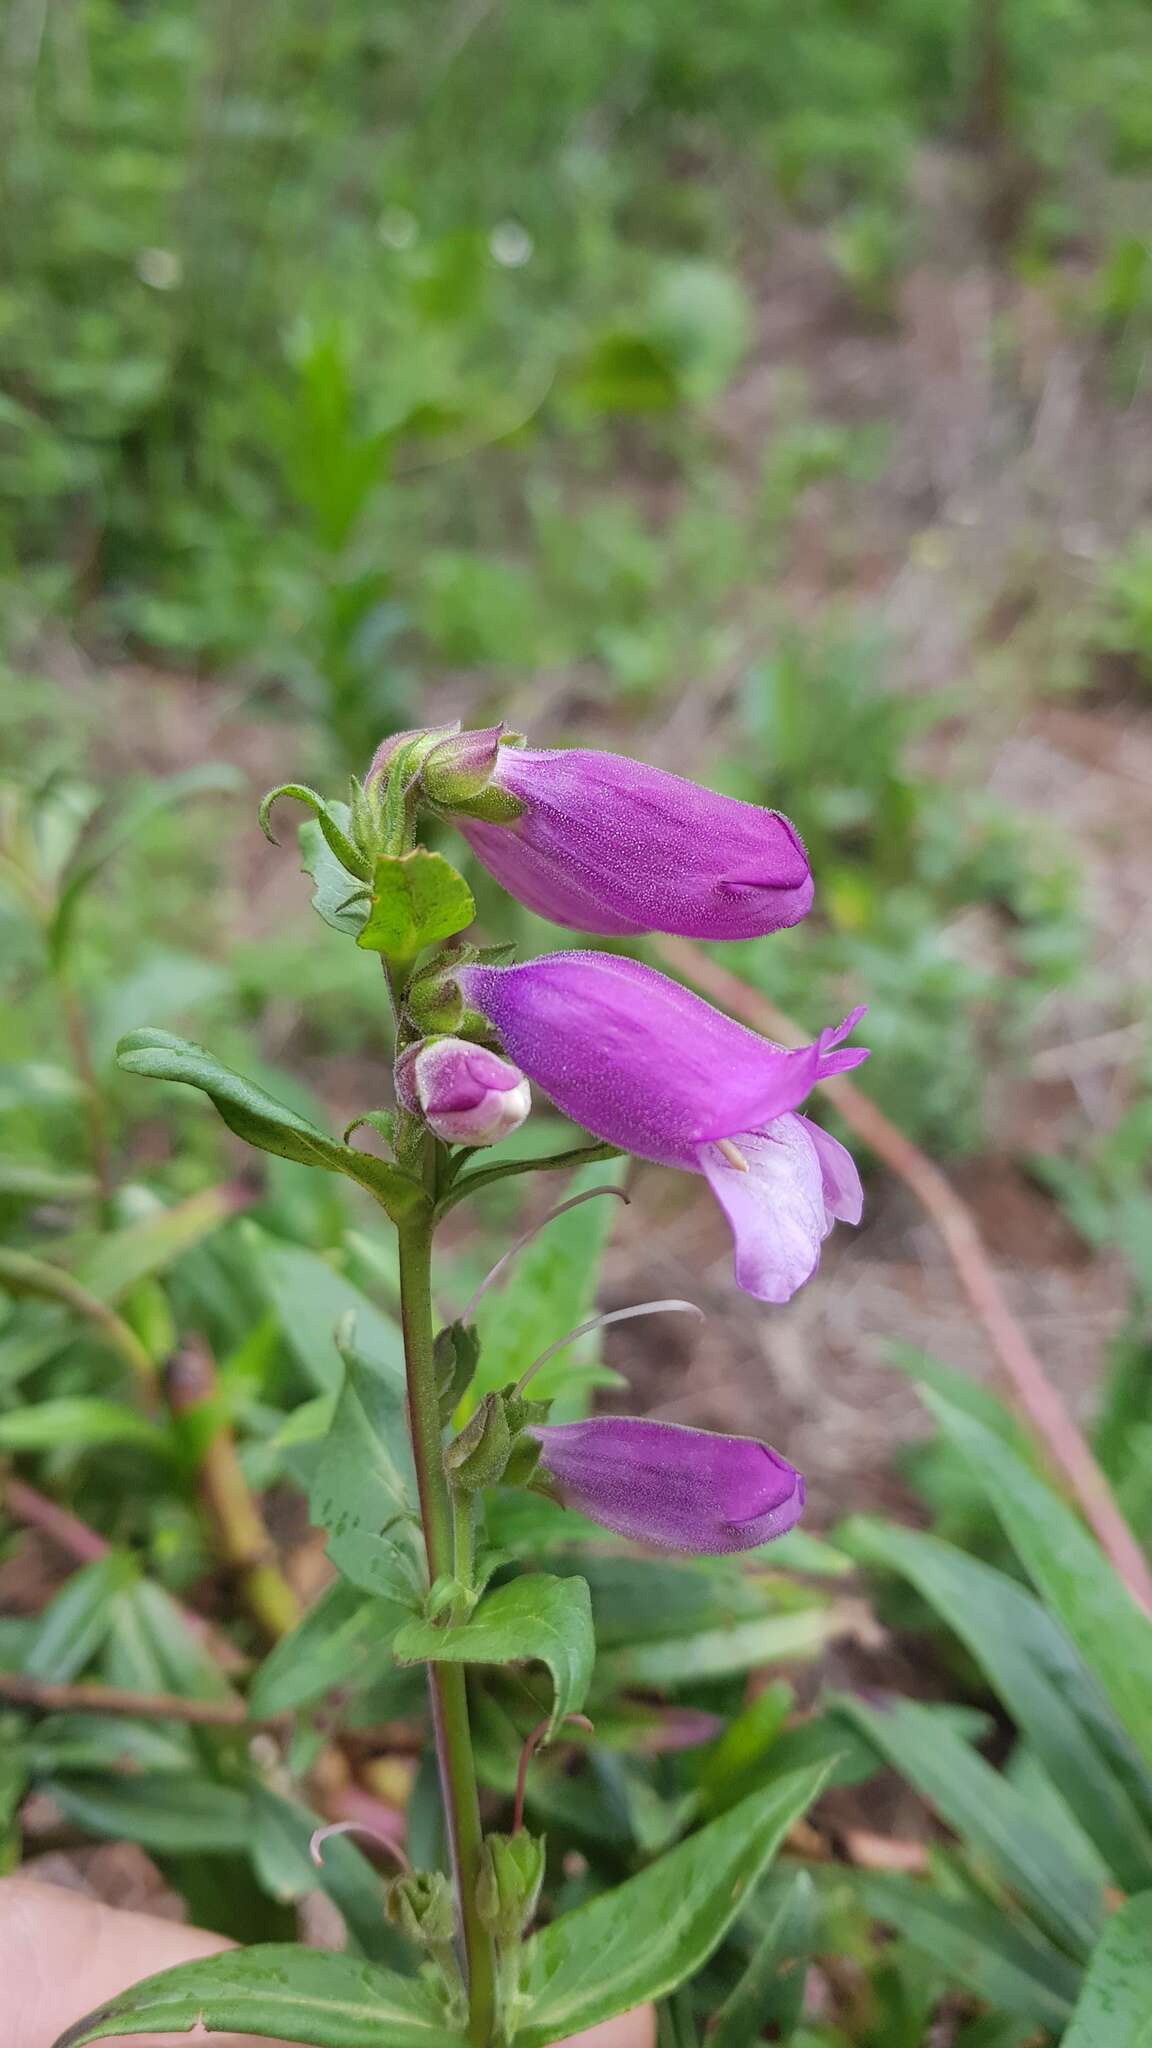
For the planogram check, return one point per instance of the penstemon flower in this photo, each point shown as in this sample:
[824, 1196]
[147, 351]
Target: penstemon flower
[645, 1065]
[675, 1488]
[604, 844]
[466, 1094]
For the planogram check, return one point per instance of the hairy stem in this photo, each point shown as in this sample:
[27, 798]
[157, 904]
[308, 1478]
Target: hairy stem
[446, 1682]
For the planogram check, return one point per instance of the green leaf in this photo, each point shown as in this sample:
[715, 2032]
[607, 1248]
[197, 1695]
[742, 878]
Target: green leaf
[27, 1181]
[120, 1259]
[292, 1994]
[651, 1934]
[1029, 1662]
[1066, 1565]
[418, 900]
[169, 1812]
[334, 883]
[76, 1622]
[720, 1652]
[150, 1648]
[992, 1818]
[331, 819]
[77, 1422]
[344, 1640]
[974, 1944]
[311, 1300]
[262, 1121]
[363, 1492]
[772, 1985]
[1114, 2010]
[536, 1619]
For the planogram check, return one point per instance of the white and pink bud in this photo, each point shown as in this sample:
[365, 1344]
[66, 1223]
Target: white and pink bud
[466, 1094]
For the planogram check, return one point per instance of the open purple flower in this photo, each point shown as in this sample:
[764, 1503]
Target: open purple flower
[605, 844]
[645, 1065]
[675, 1488]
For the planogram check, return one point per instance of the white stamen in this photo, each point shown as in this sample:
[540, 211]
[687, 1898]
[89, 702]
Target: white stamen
[732, 1154]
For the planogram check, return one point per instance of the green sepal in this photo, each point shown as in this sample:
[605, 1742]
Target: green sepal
[510, 1881]
[477, 1457]
[347, 853]
[433, 1003]
[418, 900]
[492, 806]
[523, 1462]
[456, 1354]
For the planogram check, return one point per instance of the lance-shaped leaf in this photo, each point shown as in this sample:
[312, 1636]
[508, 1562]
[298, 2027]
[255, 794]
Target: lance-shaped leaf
[654, 1932]
[292, 1994]
[1029, 1662]
[1068, 1569]
[343, 1640]
[1114, 2010]
[772, 1986]
[363, 1492]
[993, 1818]
[418, 900]
[262, 1121]
[536, 1619]
[974, 1943]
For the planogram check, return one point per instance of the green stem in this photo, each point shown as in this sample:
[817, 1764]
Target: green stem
[99, 1149]
[446, 1682]
[484, 1176]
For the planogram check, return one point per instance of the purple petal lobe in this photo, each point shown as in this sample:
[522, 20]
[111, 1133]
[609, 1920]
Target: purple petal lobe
[779, 1209]
[677, 1489]
[637, 1059]
[605, 844]
[843, 1194]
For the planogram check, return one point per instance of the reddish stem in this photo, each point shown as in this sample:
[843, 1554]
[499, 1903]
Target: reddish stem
[531, 1743]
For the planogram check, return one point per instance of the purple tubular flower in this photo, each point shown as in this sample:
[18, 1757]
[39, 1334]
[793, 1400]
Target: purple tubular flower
[466, 1094]
[675, 1488]
[605, 844]
[643, 1064]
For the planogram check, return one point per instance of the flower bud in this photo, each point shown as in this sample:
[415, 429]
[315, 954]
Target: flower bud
[420, 1905]
[466, 1094]
[674, 1488]
[509, 1884]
